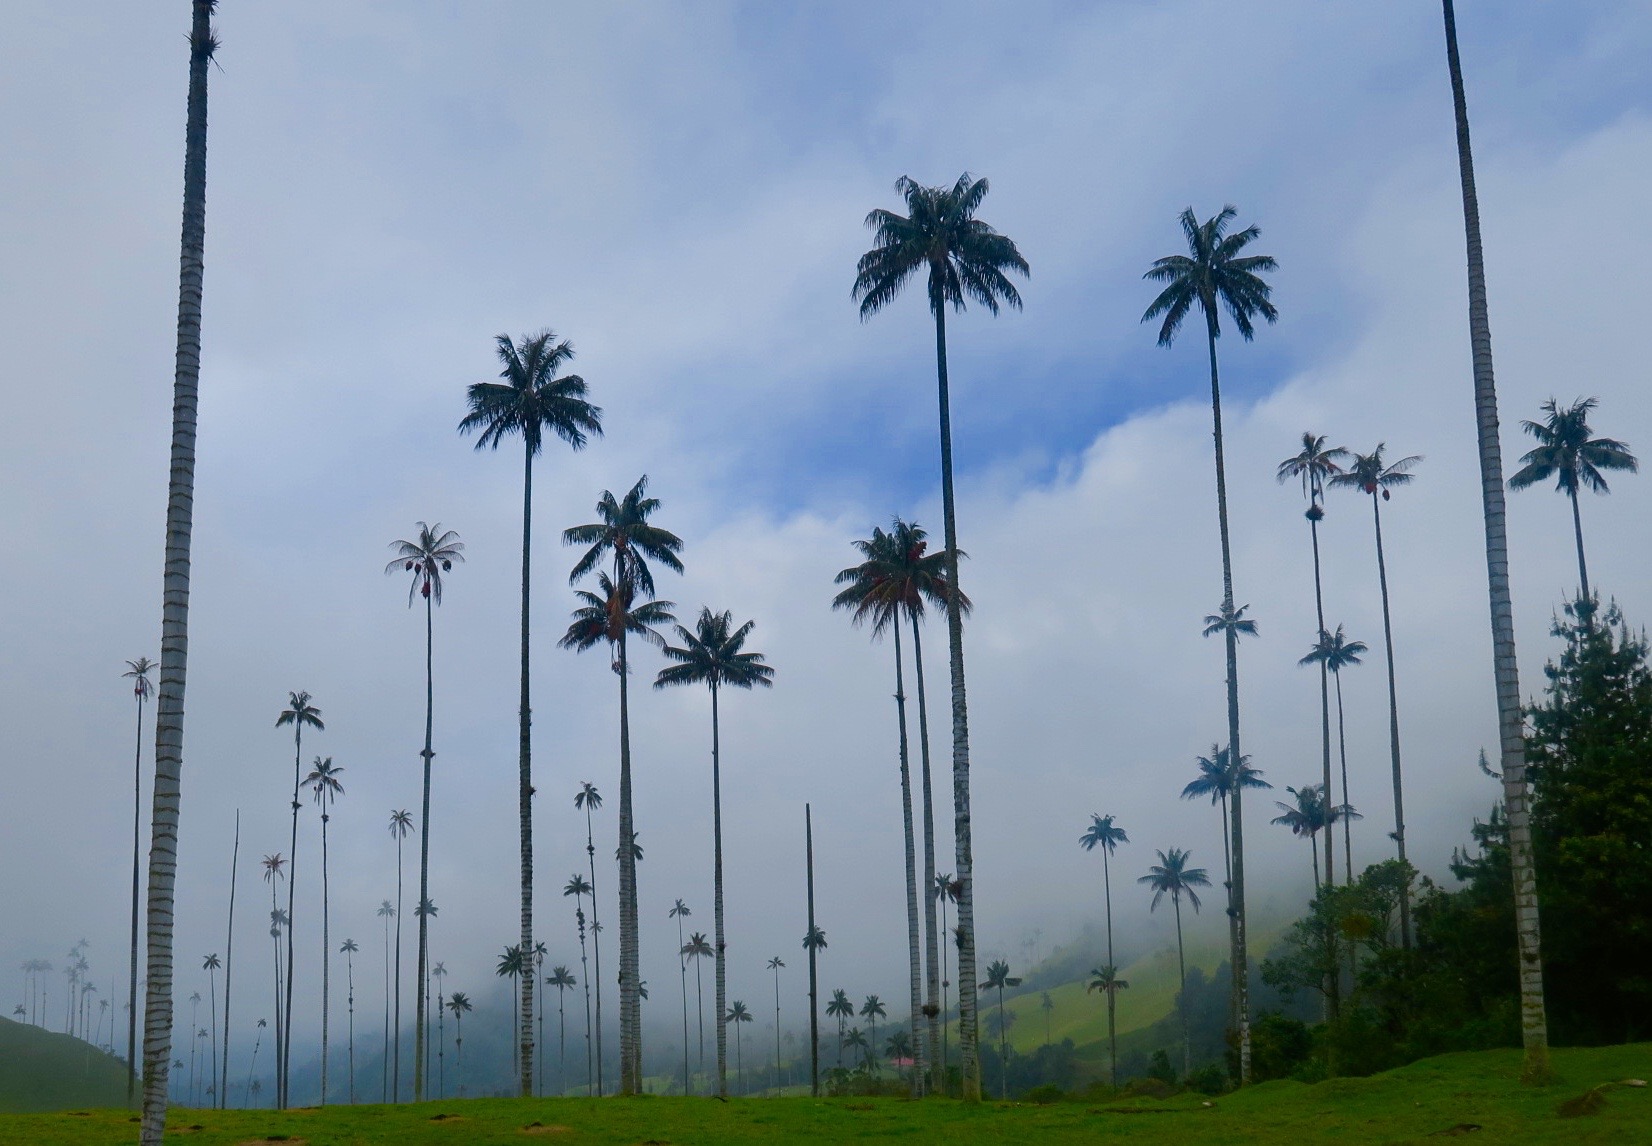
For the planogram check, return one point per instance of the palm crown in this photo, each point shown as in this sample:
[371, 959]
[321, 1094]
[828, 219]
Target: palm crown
[1371, 472]
[1315, 465]
[300, 712]
[1336, 650]
[427, 558]
[840, 1005]
[623, 530]
[965, 257]
[998, 976]
[1310, 812]
[1172, 876]
[814, 939]
[1106, 978]
[401, 822]
[1229, 618]
[532, 399]
[1566, 452]
[611, 617]
[1213, 274]
[323, 780]
[1217, 776]
[697, 947]
[897, 575]
[138, 672]
[713, 655]
[561, 978]
[576, 886]
[587, 798]
[1104, 833]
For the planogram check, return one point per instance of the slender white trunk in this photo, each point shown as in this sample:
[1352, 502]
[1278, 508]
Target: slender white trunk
[229, 965]
[717, 898]
[914, 960]
[932, 939]
[524, 799]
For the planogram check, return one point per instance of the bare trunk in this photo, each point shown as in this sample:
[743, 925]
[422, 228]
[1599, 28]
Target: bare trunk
[1181, 990]
[814, 981]
[132, 966]
[682, 972]
[721, 973]
[1582, 565]
[281, 1095]
[1236, 893]
[169, 704]
[396, 1046]
[424, 850]
[229, 965]
[968, 1018]
[914, 962]
[596, 948]
[630, 1003]
[1534, 1024]
[326, 959]
[1393, 724]
[1347, 830]
[1324, 698]
[524, 797]
[932, 938]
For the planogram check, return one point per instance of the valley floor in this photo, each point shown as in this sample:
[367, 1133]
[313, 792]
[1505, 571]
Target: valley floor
[1467, 1095]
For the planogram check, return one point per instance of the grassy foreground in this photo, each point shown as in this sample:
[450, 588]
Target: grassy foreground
[1441, 1097]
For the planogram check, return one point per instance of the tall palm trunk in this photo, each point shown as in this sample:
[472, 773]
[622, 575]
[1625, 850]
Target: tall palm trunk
[212, 989]
[1324, 691]
[721, 988]
[932, 938]
[968, 1025]
[524, 797]
[169, 704]
[229, 964]
[596, 951]
[132, 966]
[777, 1032]
[1577, 529]
[562, 1044]
[585, 973]
[1347, 830]
[945, 979]
[1236, 893]
[630, 1004]
[914, 962]
[281, 1096]
[280, 1026]
[385, 1094]
[814, 981]
[682, 969]
[326, 957]
[1181, 991]
[1393, 722]
[350, 987]
[1003, 1051]
[1534, 1024]
[424, 851]
[396, 1034]
[1112, 1038]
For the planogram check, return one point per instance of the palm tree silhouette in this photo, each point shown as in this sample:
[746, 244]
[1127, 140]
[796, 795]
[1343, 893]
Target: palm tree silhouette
[531, 400]
[1107, 835]
[1308, 815]
[1217, 778]
[431, 554]
[737, 1014]
[679, 911]
[999, 977]
[776, 964]
[613, 617]
[840, 1008]
[588, 800]
[538, 960]
[138, 673]
[872, 1010]
[438, 973]
[348, 949]
[210, 965]
[1215, 274]
[1172, 876]
[561, 978]
[401, 822]
[253, 1086]
[1313, 466]
[1566, 452]
[298, 713]
[324, 782]
[274, 873]
[945, 891]
[180, 512]
[229, 964]
[1336, 652]
[1373, 474]
[714, 655]
[964, 259]
[696, 949]
[578, 888]
[1106, 978]
[194, 1043]
[855, 1040]
[459, 1004]
[387, 911]
[514, 966]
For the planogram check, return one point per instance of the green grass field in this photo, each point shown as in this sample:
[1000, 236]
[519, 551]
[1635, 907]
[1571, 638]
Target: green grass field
[1438, 1097]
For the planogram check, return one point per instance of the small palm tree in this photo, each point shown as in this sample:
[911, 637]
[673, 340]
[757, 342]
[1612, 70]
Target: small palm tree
[1566, 452]
[840, 1008]
[324, 782]
[348, 949]
[855, 1040]
[1172, 876]
[962, 258]
[1218, 777]
[437, 974]
[561, 978]
[776, 965]
[738, 1014]
[401, 822]
[714, 655]
[999, 977]
[431, 553]
[1308, 815]
[459, 1004]
[253, 1086]
[588, 800]
[1106, 978]
[387, 911]
[531, 400]
[945, 890]
[1375, 475]
[679, 912]
[210, 965]
[872, 1010]
[1107, 835]
[513, 964]
[274, 874]
[1215, 275]
[579, 888]
[696, 949]
[1336, 652]
[299, 713]
[138, 673]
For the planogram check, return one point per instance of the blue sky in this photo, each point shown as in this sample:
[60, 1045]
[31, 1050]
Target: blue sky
[680, 191]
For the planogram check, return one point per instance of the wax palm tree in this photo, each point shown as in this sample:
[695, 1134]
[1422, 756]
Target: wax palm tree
[561, 978]
[898, 1046]
[776, 964]
[714, 655]
[578, 888]
[401, 822]
[1375, 475]
[258, 1041]
[1214, 275]
[1566, 452]
[1313, 466]
[431, 553]
[1218, 776]
[459, 1004]
[437, 974]
[613, 617]
[945, 891]
[1171, 876]
[624, 535]
[737, 1014]
[696, 949]
[814, 942]
[210, 965]
[387, 911]
[299, 713]
[999, 977]
[275, 873]
[872, 1010]
[169, 706]
[1046, 1003]
[1506, 671]
[1106, 978]
[679, 911]
[229, 964]
[588, 800]
[1336, 652]
[964, 258]
[538, 960]
[531, 400]
[323, 781]
[840, 1008]
[513, 964]
[348, 949]
[856, 1040]
[1106, 835]
[138, 673]
[1309, 814]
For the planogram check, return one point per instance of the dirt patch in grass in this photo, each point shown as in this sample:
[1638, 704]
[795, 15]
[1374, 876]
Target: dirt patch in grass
[288, 1141]
[541, 1128]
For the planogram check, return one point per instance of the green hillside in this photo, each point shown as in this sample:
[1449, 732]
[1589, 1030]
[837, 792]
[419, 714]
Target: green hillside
[41, 1070]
